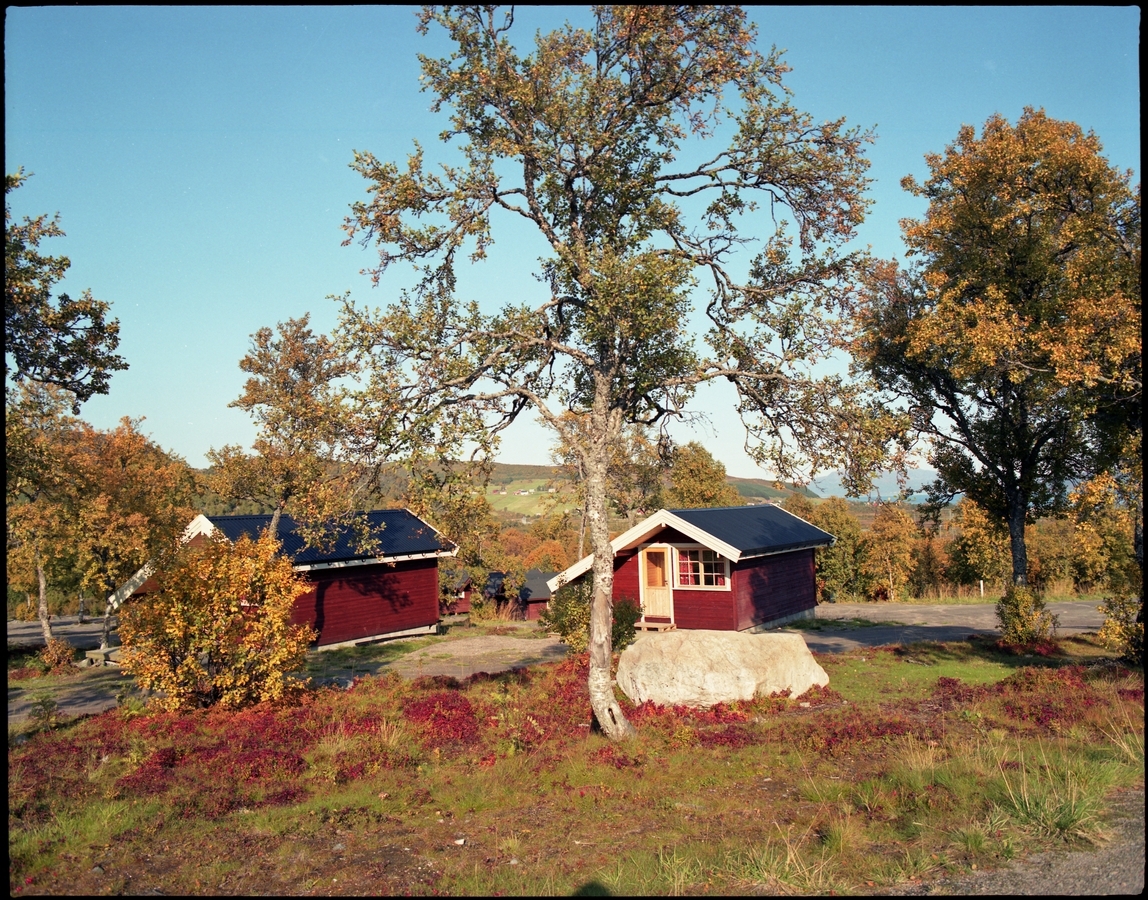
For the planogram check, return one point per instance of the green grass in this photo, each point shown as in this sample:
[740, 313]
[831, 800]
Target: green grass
[923, 760]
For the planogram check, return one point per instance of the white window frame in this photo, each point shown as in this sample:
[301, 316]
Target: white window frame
[677, 570]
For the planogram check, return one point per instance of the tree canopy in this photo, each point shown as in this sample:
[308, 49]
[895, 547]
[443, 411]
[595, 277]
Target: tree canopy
[301, 463]
[1014, 338]
[69, 343]
[645, 151]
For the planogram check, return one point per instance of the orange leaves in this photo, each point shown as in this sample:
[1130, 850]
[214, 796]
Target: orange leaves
[219, 629]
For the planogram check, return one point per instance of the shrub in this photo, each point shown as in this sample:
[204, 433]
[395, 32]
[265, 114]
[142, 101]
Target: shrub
[1123, 630]
[57, 654]
[1023, 617]
[568, 614]
[218, 629]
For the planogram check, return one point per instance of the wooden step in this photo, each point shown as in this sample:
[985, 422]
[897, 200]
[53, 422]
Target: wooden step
[655, 626]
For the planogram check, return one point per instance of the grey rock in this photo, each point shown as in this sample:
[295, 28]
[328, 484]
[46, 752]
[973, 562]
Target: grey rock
[703, 668]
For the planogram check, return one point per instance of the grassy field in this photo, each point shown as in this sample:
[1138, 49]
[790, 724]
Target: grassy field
[915, 762]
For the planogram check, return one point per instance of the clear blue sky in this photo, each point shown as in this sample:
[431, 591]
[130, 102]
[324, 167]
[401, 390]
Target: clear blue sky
[199, 159]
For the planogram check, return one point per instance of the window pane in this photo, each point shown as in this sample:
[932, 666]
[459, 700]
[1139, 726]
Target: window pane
[655, 568]
[689, 567]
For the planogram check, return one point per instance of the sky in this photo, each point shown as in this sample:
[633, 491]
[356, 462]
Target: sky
[199, 159]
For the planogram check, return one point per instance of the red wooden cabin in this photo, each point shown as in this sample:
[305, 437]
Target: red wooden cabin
[738, 568]
[354, 598]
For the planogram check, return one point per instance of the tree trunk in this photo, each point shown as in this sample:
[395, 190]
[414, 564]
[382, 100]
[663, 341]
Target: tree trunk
[1017, 508]
[273, 525]
[45, 619]
[106, 634]
[607, 713]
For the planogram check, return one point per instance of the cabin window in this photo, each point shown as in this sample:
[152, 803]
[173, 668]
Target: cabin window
[701, 568]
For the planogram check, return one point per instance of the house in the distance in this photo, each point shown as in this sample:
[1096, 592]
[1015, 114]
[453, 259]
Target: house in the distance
[527, 604]
[354, 597]
[737, 568]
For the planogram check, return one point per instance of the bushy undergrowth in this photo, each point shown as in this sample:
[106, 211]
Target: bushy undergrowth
[1024, 617]
[568, 615]
[963, 772]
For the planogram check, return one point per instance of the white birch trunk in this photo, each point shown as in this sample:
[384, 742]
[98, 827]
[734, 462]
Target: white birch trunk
[607, 713]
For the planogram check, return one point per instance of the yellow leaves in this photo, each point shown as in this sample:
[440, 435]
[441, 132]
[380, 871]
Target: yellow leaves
[218, 630]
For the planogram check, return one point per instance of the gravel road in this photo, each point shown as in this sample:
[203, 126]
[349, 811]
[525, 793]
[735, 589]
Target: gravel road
[1113, 870]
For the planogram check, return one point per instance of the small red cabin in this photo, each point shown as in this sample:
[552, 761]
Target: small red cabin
[354, 598]
[738, 568]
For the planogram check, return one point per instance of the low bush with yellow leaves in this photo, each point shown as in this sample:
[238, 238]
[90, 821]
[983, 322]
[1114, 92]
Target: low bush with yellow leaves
[218, 630]
[1023, 617]
[1123, 630]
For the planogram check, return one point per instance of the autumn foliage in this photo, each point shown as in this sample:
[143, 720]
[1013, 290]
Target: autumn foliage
[218, 630]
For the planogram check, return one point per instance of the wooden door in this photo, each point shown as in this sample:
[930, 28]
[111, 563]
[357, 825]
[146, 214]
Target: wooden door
[657, 598]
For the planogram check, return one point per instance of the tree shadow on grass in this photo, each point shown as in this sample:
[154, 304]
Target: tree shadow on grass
[1069, 651]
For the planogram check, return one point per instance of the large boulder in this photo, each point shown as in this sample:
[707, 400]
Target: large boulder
[703, 668]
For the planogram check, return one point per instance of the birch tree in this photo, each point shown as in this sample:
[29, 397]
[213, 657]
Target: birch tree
[648, 151]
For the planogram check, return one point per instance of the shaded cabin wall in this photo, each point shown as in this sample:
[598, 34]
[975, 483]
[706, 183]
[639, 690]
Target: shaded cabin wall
[532, 608]
[772, 587]
[626, 576]
[348, 604]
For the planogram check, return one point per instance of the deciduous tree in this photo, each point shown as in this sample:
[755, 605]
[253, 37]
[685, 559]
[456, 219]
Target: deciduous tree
[51, 340]
[300, 461]
[698, 480]
[133, 501]
[1016, 340]
[597, 140]
[887, 551]
[979, 550]
[838, 567]
[39, 488]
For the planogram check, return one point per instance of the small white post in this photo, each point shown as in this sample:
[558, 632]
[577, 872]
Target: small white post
[982, 589]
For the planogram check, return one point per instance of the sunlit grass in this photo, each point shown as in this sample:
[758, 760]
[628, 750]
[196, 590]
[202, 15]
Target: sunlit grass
[919, 760]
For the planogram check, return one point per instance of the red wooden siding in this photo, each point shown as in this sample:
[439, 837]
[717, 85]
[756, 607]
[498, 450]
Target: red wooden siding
[533, 609]
[712, 610]
[626, 582]
[348, 604]
[771, 587]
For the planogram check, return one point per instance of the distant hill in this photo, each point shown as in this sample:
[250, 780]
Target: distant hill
[767, 489]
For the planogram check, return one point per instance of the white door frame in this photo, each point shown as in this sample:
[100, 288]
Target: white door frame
[669, 588]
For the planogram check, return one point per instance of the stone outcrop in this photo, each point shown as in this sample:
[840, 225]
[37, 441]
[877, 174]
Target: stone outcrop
[703, 668]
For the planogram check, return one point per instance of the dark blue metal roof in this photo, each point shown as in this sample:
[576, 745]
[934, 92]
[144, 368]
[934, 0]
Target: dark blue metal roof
[756, 530]
[399, 532]
[534, 585]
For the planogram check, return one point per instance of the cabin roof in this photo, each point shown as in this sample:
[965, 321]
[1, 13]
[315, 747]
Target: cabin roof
[400, 533]
[736, 532]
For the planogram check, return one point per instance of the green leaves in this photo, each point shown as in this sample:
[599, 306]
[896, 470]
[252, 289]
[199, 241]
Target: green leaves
[987, 340]
[61, 341]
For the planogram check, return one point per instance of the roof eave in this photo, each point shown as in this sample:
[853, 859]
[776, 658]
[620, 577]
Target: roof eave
[774, 551]
[348, 563]
[663, 518]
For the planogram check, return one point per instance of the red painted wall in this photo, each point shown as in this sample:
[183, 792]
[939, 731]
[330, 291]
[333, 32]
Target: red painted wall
[626, 575]
[761, 589]
[712, 610]
[771, 587]
[359, 602]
